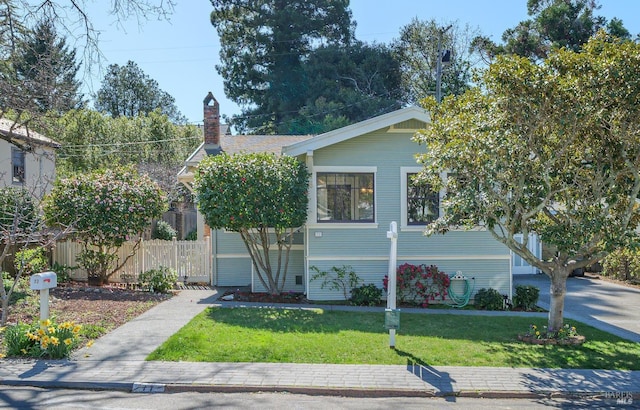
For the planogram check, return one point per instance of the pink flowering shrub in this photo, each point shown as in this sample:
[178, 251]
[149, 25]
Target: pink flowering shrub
[419, 284]
[105, 208]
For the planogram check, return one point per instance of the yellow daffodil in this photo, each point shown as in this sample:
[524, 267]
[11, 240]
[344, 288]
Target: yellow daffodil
[2, 355]
[23, 351]
[68, 341]
[45, 323]
[90, 343]
[77, 328]
[51, 329]
[55, 341]
[41, 332]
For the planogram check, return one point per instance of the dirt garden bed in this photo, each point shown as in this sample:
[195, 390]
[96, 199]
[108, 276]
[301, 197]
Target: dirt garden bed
[98, 309]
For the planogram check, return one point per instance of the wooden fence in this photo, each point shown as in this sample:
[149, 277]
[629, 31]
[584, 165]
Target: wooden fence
[190, 259]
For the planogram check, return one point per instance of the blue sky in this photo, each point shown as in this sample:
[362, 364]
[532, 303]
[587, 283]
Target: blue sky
[181, 54]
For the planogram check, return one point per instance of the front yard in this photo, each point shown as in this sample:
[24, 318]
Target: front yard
[319, 336]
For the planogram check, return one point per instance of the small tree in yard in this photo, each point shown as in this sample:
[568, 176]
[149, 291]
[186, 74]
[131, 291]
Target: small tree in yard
[106, 208]
[262, 197]
[20, 228]
[550, 148]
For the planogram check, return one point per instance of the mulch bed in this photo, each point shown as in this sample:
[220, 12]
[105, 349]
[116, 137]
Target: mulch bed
[287, 297]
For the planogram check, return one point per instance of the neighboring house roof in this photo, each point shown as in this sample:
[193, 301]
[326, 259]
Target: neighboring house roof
[24, 137]
[403, 119]
[235, 144]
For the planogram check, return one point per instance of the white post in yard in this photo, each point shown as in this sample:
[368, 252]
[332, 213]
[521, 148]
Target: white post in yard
[391, 284]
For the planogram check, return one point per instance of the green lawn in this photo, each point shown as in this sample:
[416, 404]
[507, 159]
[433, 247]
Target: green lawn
[318, 336]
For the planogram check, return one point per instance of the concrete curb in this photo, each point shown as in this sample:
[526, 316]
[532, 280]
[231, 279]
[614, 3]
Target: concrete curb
[156, 388]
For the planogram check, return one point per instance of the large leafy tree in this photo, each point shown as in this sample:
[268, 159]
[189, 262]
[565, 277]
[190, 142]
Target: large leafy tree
[151, 142]
[263, 47]
[47, 69]
[262, 197]
[127, 91]
[417, 52]
[105, 209]
[553, 24]
[550, 148]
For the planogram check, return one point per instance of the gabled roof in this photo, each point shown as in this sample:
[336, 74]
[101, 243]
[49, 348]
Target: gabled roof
[23, 137]
[234, 144]
[357, 129]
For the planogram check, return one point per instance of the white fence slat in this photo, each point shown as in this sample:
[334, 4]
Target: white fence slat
[190, 259]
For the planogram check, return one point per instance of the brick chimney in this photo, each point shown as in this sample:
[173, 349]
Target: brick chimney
[211, 125]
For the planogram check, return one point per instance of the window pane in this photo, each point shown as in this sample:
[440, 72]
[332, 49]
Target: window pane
[17, 162]
[345, 197]
[422, 203]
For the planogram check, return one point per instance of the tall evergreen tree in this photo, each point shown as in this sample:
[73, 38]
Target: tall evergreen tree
[264, 46]
[553, 24]
[127, 91]
[349, 84]
[47, 67]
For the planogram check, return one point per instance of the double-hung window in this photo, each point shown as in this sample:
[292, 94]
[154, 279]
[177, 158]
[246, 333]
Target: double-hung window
[345, 197]
[420, 203]
[17, 164]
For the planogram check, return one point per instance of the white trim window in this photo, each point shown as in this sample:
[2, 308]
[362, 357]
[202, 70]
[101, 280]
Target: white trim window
[420, 204]
[17, 165]
[345, 195]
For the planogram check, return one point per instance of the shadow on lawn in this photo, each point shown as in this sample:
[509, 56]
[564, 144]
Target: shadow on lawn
[498, 334]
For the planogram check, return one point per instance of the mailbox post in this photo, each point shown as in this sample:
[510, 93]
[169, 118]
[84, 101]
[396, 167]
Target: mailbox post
[43, 282]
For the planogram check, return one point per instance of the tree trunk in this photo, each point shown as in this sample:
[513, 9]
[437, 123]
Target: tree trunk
[557, 293]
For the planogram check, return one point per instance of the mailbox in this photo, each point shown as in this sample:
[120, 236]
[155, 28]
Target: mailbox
[44, 280]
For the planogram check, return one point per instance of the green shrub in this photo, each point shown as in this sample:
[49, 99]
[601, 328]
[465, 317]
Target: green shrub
[159, 280]
[192, 236]
[63, 272]
[489, 299]
[526, 297]
[30, 261]
[623, 264]
[366, 295]
[163, 231]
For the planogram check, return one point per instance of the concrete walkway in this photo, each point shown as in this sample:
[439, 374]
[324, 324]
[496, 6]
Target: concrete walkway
[116, 361]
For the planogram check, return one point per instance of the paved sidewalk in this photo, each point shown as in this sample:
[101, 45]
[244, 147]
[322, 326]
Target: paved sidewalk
[116, 361]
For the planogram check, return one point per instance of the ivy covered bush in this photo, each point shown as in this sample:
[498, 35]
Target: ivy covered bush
[105, 208]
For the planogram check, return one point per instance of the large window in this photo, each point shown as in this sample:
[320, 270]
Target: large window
[345, 197]
[423, 204]
[17, 163]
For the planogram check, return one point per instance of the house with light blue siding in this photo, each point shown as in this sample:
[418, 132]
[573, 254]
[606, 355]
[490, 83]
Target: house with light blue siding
[360, 181]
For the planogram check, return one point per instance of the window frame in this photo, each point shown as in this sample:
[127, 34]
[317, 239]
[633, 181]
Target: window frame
[404, 194]
[18, 161]
[313, 214]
